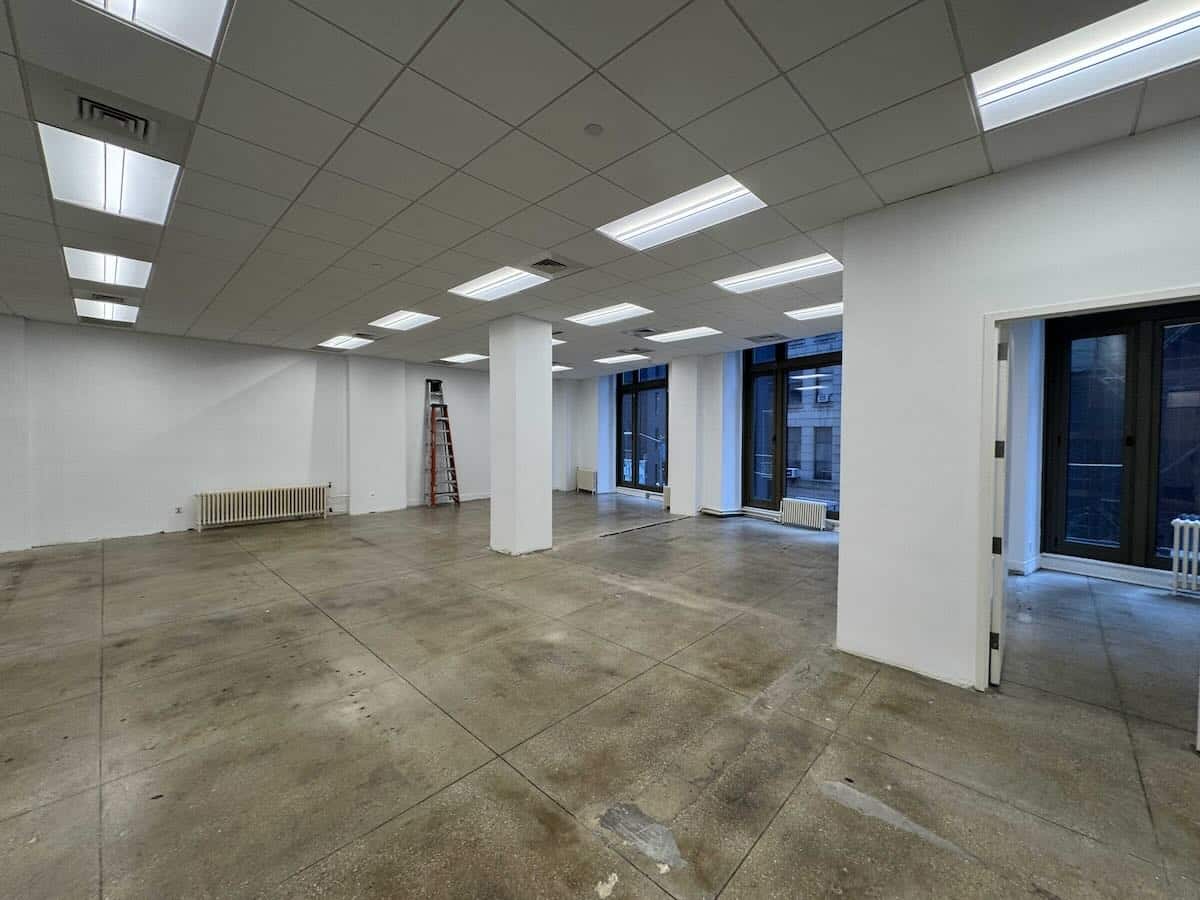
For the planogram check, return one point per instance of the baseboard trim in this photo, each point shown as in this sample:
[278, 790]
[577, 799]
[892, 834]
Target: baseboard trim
[1095, 568]
[720, 513]
[1025, 566]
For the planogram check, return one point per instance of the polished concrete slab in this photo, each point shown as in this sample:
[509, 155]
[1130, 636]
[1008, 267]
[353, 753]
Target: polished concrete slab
[379, 706]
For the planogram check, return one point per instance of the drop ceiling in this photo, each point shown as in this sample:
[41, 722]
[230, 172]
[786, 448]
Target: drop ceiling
[342, 161]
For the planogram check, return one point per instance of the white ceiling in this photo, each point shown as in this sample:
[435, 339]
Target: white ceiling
[350, 159]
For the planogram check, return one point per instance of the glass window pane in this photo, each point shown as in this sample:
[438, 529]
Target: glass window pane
[1179, 431]
[814, 435]
[652, 438]
[762, 439]
[812, 346]
[625, 430]
[653, 373]
[763, 354]
[627, 377]
[1096, 440]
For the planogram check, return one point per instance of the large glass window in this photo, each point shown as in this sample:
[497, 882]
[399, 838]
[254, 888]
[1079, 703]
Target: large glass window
[1122, 432]
[642, 428]
[794, 392]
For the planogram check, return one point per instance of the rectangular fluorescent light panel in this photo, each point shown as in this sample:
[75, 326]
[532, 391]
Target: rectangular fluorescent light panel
[709, 204]
[685, 334]
[1136, 43]
[557, 368]
[815, 312]
[786, 273]
[345, 342]
[554, 342]
[106, 268]
[464, 358]
[624, 358]
[105, 177]
[192, 23]
[500, 283]
[104, 311]
[403, 320]
[610, 314]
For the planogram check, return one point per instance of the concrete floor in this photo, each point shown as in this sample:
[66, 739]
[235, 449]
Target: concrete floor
[378, 707]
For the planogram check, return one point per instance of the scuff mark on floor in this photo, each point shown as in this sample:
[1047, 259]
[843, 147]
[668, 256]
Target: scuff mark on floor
[605, 888]
[646, 835]
[854, 799]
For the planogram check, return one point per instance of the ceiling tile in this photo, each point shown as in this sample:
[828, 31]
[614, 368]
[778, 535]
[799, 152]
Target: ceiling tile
[294, 51]
[1073, 127]
[243, 163]
[636, 266]
[1172, 97]
[756, 125]
[327, 226]
[796, 247]
[215, 224]
[336, 194]
[199, 189]
[495, 57]
[688, 251]
[991, 31]
[592, 249]
[182, 240]
[12, 94]
[712, 57]
[23, 189]
[471, 199]
[720, 267]
[6, 45]
[520, 165]
[377, 161]
[84, 43]
[500, 248]
[400, 247]
[306, 247]
[252, 111]
[801, 170]
[27, 230]
[593, 202]
[830, 238]
[372, 264]
[420, 114]
[540, 227]
[18, 140]
[431, 225]
[598, 30]
[796, 30]
[942, 168]
[463, 266]
[431, 278]
[667, 167]
[750, 230]
[906, 55]
[377, 21]
[830, 205]
[941, 117]
[594, 102]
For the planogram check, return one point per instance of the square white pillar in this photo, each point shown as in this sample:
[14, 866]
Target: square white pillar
[522, 436]
[683, 435]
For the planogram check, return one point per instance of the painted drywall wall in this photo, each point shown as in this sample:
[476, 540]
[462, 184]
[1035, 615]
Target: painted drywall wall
[683, 434]
[566, 400]
[376, 398]
[1026, 364]
[920, 277]
[721, 432]
[466, 393]
[14, 436]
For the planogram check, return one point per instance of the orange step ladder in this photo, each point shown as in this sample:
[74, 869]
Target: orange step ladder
[443, 475]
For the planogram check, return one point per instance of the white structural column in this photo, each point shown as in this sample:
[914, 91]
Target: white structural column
[683, 435]
[522, 442]
[14, 437]
[721, 432]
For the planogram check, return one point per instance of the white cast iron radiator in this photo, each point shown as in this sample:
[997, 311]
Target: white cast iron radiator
[261, 505]
[805, 513]
[1185, 554]
[585, 480]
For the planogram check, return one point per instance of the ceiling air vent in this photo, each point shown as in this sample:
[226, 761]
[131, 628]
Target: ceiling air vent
[106, 298]
[766, 338]
[549, 266]
[640, 332]
[624, 350]
[118, 121]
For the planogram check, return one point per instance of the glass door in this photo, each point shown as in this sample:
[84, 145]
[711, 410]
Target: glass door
[1177, 491]
[761, 488]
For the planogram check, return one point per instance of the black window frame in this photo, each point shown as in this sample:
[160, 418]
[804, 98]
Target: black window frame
[634, 389]
[1143, 327]
[782, 367]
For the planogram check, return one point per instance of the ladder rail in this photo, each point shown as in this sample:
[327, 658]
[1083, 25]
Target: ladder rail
[443, 470]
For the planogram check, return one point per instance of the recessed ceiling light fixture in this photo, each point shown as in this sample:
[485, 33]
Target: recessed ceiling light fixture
[709, 204]
[623, 358]
[560, 368]
[106, 268]
[554, 342]
[105, 311]
[815, 312]
[609, 314]
[684, 334]
[192, 23]
[105, 177]
[345, 342]
[500, 283]
[785, 273]
[1136, 43]
[403, 320]
[461, 358]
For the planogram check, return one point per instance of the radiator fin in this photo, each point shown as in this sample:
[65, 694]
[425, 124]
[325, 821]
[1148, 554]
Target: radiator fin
[1185, 554]
[219, 508]
[805, 513]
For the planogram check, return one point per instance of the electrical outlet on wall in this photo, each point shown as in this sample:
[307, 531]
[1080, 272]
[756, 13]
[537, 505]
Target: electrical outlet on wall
[179, 510]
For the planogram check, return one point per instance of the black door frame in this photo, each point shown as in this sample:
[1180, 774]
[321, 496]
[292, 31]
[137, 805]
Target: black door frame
[634, 390]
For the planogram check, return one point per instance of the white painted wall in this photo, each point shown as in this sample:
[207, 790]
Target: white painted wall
[605, 436]
[14, 436]
[1026, 364]
[683, 434]
[466, 393]
[721, 432]
[566, 400]
[376, 398]
[920, 277]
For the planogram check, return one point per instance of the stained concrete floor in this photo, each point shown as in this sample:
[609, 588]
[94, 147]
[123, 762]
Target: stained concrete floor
[377, 707]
